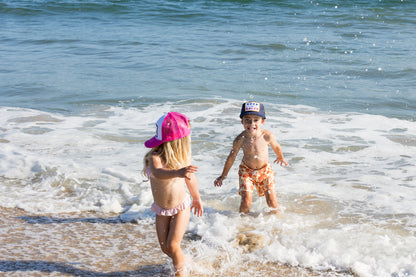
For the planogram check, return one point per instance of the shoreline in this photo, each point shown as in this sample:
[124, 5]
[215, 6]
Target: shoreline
[89, 245]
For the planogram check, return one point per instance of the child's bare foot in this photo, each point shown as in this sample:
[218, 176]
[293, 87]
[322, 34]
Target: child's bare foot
[276, 211]
[179, 272]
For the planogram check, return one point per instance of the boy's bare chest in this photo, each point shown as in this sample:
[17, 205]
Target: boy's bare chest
[254, 146]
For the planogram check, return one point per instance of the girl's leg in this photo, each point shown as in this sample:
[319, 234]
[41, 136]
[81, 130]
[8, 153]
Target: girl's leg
[162, 230]
[177, 229]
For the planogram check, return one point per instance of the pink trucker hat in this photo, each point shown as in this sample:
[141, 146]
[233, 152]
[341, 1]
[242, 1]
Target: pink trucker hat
[169, 127]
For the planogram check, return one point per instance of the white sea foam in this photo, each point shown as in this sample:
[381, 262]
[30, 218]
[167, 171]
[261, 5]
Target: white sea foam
[348, 194]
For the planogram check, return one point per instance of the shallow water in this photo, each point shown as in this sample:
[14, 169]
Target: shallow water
[347, 194]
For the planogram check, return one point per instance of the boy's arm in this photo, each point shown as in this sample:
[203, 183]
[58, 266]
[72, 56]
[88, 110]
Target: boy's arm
[160, 172]
[277, 149]
[230, 160]
[192, 185]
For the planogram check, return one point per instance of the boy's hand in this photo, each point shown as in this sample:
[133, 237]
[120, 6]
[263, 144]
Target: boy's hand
[198, 208]
[281, 161]
[218, 181]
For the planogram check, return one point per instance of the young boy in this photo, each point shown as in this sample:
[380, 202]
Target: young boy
[255, 169]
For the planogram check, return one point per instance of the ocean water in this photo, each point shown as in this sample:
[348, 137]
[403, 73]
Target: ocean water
[83, 83]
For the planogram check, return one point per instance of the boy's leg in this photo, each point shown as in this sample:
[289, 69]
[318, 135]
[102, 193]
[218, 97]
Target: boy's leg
[268, 188]
[245, 189]
[246, 198]
[271, 199]
[177, 229]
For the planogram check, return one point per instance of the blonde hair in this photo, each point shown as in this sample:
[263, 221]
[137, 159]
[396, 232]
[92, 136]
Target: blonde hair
[175, 154]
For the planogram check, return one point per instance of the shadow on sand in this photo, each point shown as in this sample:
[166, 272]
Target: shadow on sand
[52, 220]
[69, 269]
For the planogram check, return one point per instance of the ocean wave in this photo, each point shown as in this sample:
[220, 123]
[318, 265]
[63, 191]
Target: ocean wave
[53, 7]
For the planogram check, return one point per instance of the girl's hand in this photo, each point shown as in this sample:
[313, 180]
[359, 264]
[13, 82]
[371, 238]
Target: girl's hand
[198, 208]
[186, 171]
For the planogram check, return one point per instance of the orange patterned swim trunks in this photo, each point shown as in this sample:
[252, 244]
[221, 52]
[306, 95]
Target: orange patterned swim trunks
[262, 179]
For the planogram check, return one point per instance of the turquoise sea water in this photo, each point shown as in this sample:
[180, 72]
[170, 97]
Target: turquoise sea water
[82, 81]
[352, 56]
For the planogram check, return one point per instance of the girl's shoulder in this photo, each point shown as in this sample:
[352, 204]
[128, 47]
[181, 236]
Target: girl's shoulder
[153, 155]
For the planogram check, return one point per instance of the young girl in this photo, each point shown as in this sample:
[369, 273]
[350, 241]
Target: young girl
[168, 165]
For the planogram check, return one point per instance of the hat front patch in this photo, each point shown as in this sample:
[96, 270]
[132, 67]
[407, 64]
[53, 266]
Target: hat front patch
[252, 107]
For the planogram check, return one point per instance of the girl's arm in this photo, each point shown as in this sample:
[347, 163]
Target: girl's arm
[192, 185]
[160, 172]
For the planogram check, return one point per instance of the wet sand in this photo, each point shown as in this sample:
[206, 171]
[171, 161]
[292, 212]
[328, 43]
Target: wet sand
[91, 245]
[70, 245]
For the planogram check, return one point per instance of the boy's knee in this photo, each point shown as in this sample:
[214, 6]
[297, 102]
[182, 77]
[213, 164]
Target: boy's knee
[245, 195]
[246, 198]
[245, 202]
[271, 199]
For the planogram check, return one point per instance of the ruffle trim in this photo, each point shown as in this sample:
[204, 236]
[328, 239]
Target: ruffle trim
[171, 212]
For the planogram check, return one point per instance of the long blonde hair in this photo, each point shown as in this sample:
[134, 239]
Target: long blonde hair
[175, 154]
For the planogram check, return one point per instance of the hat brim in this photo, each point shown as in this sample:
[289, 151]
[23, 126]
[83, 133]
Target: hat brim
[262, 115]
[153, 142]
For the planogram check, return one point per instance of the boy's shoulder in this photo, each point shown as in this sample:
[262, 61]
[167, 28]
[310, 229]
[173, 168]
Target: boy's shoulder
[239, 139]
[241, 136]
[268, 135]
